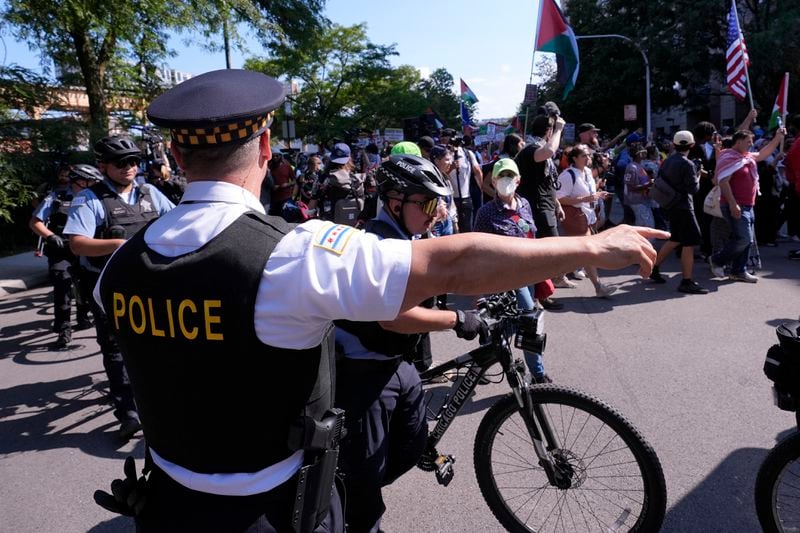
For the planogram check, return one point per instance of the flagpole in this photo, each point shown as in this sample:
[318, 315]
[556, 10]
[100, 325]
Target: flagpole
[785, 106]
[746, 70]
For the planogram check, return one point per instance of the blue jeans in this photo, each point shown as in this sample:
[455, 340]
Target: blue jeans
[737, 249]
[532, 359]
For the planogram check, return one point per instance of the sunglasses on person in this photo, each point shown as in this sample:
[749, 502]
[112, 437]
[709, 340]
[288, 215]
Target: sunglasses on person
[126, 162]
[428, 206]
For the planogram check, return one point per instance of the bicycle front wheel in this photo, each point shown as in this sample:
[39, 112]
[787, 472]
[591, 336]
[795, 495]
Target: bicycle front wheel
[615, 478]
[778, 488]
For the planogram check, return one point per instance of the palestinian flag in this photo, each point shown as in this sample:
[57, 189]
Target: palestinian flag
[779, 109]
[554, 34]
[466, 94]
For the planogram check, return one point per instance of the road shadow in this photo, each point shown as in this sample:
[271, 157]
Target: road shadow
[120, 524]
[33, 343]
[25, 302]
[55, 414]
[724, 500]
[775, 322]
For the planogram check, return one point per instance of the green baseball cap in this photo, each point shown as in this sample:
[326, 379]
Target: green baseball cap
[406, 147]
[504, 164]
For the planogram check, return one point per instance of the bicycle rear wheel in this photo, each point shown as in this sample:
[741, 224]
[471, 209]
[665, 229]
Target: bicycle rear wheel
[778, 488]
[616, 479]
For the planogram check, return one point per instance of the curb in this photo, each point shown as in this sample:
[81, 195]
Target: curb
[22, 272]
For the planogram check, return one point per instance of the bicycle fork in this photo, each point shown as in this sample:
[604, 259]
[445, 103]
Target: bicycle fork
[559, 473]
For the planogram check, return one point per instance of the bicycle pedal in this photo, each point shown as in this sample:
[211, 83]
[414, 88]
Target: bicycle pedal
[444, 469]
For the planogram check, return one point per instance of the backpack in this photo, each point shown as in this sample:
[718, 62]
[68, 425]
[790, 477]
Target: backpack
[782, 365]
[344, 204]
[664, 193]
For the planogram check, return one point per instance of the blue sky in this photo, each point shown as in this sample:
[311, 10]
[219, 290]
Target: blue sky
[488, 45]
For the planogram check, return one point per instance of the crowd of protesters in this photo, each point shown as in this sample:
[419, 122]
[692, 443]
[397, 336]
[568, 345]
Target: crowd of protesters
[572, 186]
[750, 177]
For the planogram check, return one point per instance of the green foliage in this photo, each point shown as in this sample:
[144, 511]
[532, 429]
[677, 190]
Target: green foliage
[347, 83]
[438, 92]
[685, 43]
[116, 46]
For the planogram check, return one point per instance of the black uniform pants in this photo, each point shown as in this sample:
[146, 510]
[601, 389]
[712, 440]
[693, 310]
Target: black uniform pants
[464, 210]
[118, 382]
[61, 271]
[386, 433]
[171, 507]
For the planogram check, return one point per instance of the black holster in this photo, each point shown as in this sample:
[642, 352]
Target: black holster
[315, 484]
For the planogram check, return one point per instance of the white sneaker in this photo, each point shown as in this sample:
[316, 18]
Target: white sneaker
[563, 283]
[745, 276]
[717, 270]
[604, 291]
[579, 274]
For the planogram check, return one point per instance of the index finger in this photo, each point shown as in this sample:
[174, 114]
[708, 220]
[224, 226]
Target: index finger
[651, 233]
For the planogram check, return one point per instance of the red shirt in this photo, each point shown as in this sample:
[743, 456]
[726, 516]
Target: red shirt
[793, 164]
[744, 185]
[282, 175]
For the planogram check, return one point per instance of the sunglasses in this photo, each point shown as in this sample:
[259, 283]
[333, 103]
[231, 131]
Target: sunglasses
[127, 162]
[428, 206]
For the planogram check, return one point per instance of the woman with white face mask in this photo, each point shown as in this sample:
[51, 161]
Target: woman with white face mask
[510, 214]
[577, 195]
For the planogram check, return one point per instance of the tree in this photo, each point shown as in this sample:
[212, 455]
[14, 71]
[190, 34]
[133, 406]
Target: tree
[685, 43]
[346, 81]
[438, 92]
[123, 41]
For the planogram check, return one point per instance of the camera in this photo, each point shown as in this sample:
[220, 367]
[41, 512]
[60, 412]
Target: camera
[550, 109]
[457, 140]
[530, 335]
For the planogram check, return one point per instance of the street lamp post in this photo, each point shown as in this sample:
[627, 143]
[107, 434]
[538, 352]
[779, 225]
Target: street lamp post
[646, 70]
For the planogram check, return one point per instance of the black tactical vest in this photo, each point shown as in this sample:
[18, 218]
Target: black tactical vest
[122, 220]
[211, 396]
[59, 210]
[370, 334]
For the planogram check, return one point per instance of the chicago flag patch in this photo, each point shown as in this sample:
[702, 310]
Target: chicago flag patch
[333, 237]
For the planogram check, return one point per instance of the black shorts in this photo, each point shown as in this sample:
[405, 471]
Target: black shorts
[546, 226]
[683, 227]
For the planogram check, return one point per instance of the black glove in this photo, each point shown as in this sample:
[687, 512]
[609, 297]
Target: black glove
[127, 496]
[469, 325]
[55, 241]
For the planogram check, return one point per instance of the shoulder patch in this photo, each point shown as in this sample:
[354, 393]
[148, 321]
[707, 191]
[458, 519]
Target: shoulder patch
[78, 201]
[333, 237]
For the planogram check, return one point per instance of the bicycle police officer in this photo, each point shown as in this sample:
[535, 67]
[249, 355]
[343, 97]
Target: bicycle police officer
[378, 385]
[48, 222]
[223, 316]
[99, 221]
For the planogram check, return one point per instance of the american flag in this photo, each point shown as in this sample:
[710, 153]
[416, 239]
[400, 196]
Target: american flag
[736, 56]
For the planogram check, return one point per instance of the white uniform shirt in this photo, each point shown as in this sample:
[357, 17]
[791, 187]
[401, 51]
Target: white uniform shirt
[317, 273]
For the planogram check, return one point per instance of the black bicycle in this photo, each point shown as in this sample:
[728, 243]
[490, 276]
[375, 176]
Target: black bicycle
[777, 491]
[547, 457]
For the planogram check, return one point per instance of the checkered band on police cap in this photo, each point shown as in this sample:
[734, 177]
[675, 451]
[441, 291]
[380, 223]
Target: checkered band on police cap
[218, 108]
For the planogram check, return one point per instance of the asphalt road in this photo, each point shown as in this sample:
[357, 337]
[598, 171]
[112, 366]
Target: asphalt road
[686, 370]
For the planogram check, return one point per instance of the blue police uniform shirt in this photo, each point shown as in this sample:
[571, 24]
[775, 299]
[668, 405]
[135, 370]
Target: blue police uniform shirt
[333, 272]
[351, 345]
[87, 212]
[42, 211]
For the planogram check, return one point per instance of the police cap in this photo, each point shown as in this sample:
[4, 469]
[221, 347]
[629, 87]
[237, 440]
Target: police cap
[218, 108]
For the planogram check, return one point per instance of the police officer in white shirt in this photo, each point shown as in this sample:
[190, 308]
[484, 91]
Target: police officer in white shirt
[224, 320]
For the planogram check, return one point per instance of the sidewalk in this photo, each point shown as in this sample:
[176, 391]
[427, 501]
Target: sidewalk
[21, 272]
